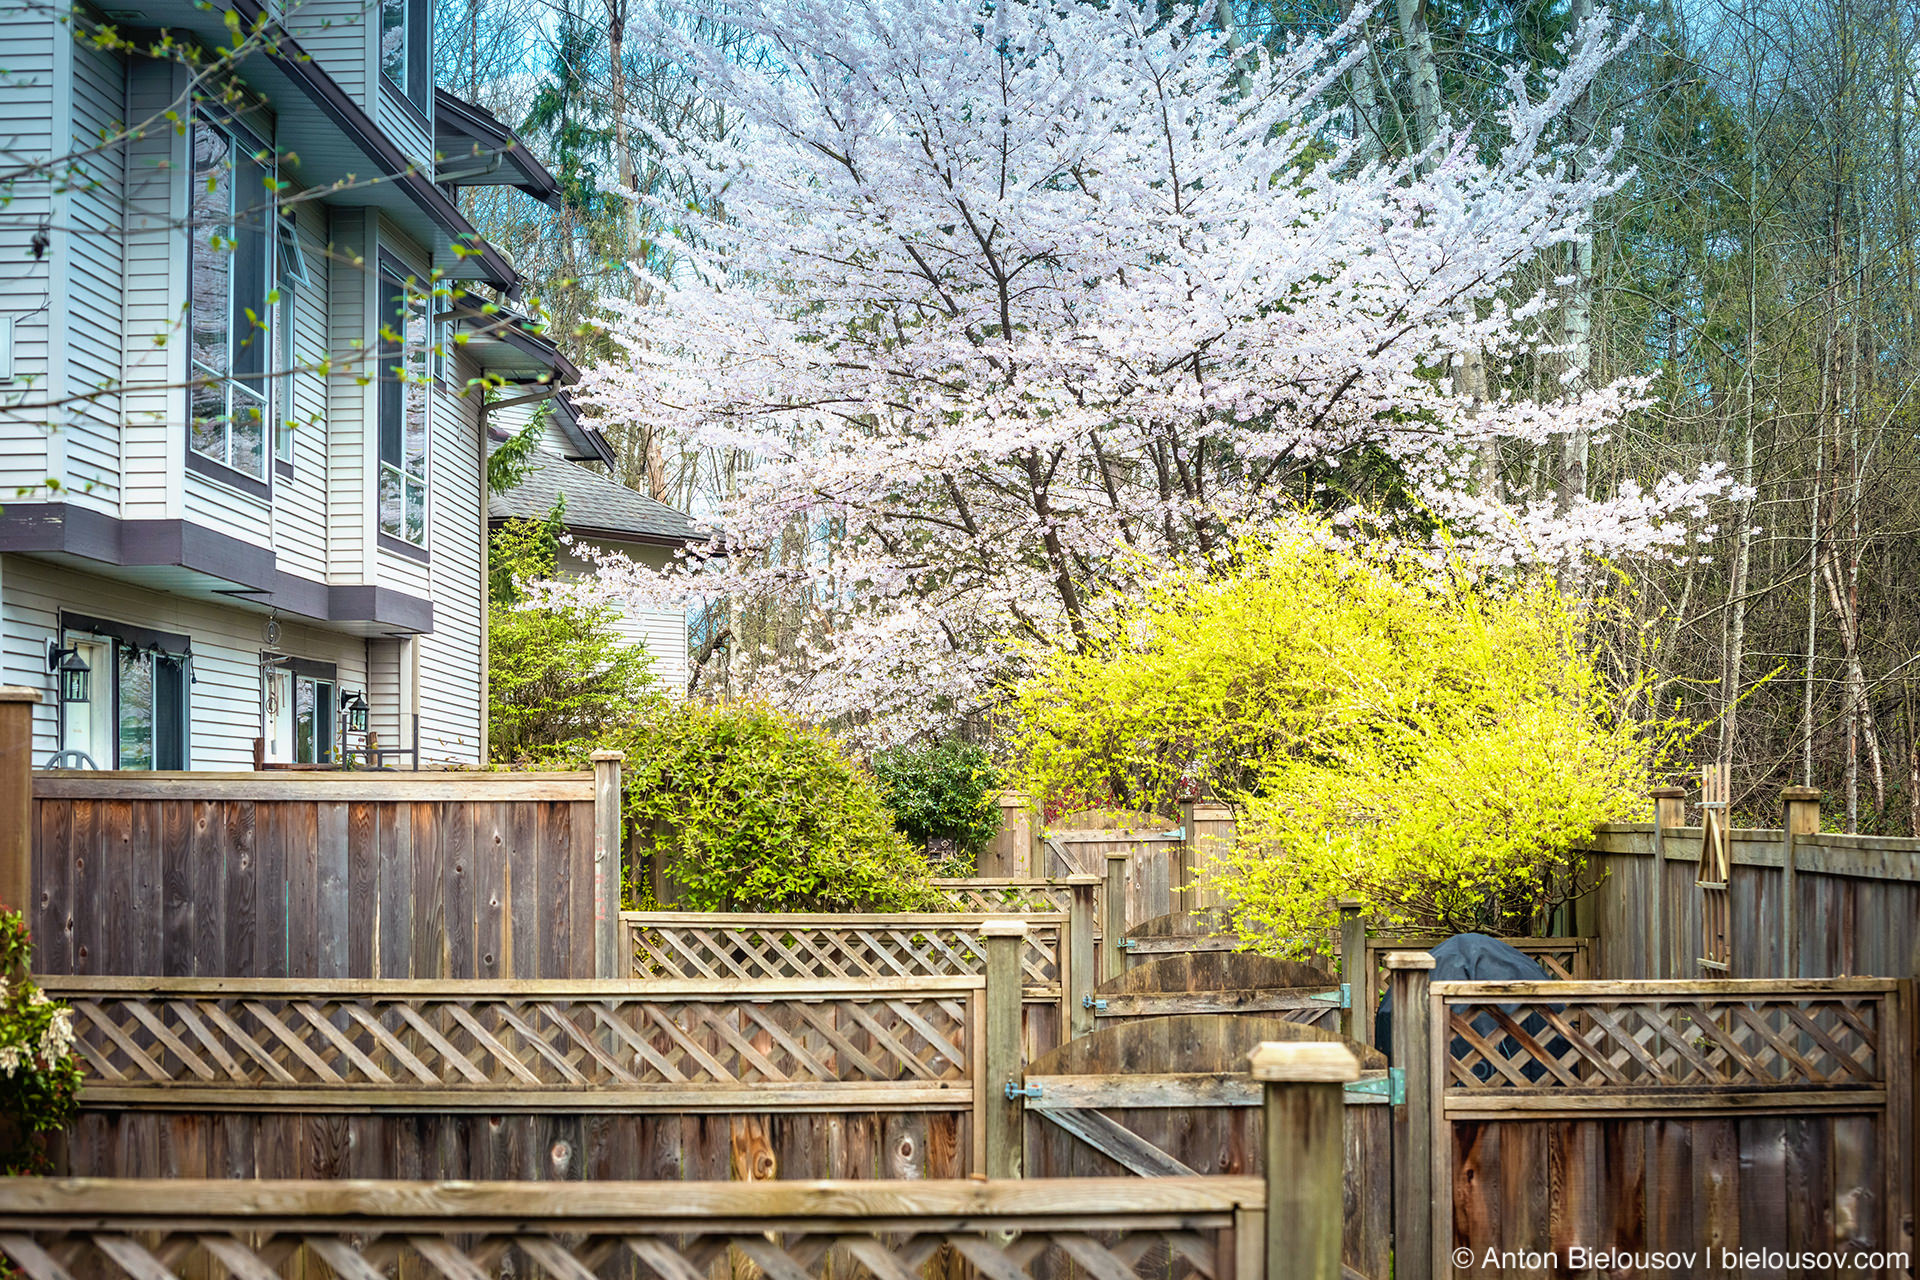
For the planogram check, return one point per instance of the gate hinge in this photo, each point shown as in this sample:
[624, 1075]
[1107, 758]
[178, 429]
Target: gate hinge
[1015, 1092]
[1088, 1002]
[1342, 998]
[1392, 1086]
[1127, 944]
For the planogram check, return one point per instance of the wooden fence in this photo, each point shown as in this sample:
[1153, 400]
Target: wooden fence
[456, 1079]
[1799, 903]
[1284, 1226]
[1057, 955]
[326, 875]
[1682, 1116]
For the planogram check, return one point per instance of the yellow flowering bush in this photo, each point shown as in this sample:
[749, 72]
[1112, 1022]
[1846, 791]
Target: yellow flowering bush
[1430, 740]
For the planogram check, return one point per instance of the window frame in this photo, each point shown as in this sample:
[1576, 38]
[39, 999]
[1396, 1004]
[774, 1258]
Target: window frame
[416, 59]
[393, 387]
[247, 155]
[320, 675]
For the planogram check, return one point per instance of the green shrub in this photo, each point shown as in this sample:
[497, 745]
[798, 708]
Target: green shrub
[1435, 743]
[556, 674]
[753, 811]
[945, 797]
[39, 1075]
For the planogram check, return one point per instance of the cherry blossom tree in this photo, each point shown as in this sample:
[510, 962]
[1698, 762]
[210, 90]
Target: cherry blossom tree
[1008, 299]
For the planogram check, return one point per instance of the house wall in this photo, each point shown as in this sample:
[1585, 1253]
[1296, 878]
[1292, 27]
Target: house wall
[89, 257]
[453, 657]
[224, 699]
[28, 42]
[664, 634]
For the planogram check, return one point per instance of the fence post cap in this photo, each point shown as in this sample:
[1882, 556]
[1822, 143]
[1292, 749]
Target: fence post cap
[1350, 904]
[1117, 854]
[1409, 960]
[605, 757]
[1786, 793]
[1078, 880]
[1001, 927]
[1303, 1062]
[18, 693]
[1669, 793]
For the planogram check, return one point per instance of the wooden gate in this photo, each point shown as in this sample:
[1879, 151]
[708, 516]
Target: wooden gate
[1221, 982]
[1170, 1097]
[1716, 871]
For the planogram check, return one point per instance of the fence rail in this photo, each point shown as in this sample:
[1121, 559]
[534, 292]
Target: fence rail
[1184, 1229]
[880, 1043]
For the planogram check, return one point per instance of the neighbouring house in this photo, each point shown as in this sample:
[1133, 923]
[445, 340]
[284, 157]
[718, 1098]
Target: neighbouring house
[242, 438]
[602, 514]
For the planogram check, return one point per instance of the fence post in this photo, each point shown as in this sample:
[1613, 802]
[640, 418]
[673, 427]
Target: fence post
[1357, 1023]
[1113, 915]
[1669, 810]
[1004, 941]
[1415, 1220]
[1306, 1151]
[16, 798]
[1077, 976]
[606, 864]
[1802, 818]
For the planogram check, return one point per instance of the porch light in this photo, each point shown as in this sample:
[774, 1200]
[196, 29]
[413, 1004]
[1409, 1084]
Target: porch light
[76, 676]
[355, 707]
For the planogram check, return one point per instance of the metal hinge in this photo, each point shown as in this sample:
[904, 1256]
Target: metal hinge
[1127, 944]
[1392, 1086]
[1088, 1002]
[1015, 1092]
[1343, 998]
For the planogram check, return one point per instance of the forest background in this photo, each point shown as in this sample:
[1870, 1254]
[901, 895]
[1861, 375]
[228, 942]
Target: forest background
[1758, 267]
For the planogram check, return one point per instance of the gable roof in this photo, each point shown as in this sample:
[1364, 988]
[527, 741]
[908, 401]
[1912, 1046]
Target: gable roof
[595, 505]
[476, 149]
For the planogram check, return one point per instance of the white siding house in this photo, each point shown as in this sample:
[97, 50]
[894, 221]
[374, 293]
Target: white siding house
[243, 456]
[602, 515]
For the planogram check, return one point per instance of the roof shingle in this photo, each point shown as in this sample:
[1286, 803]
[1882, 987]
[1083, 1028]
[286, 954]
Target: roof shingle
[594, 504]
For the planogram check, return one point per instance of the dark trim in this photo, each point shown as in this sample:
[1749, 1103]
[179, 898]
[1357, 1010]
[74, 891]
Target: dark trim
[56, 528]
[311, 668]
[612, 535]
[139, 637]
[221, 473]
[300, 67]
[456, 120]
[395, 610]
[401, 547]
[283, 468]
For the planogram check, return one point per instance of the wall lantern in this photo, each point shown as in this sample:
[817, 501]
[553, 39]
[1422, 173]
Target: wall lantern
[355, 707]
[76, 676]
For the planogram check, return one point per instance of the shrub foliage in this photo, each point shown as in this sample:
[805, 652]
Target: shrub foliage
[945, 797]
[556, 673]
[1432, 741]
[757, 812]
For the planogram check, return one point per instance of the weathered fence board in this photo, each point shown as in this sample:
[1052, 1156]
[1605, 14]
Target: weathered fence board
[315, 875]
[1855, 904]
[1170, 1097]
[1186, 1229]
[1686, 1115]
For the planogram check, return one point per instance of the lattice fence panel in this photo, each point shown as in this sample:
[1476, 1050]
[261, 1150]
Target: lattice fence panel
[1104, 1246]
[780, 948]
[1587, 1044]
[1020, 897]
[436, 1044]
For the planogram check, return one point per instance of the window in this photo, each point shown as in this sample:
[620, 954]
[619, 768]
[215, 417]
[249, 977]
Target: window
[404, 44]
[136, 717]
[286, 320]
[228, 270]
[301, 702]
[403, 411]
